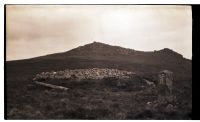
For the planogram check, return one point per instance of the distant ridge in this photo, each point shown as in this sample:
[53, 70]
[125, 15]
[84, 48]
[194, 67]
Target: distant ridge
[102, 55]
[101, 48]
[98, 48]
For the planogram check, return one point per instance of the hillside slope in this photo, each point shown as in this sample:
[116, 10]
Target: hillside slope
[106, 56]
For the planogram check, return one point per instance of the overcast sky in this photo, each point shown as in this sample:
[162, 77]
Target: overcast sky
[36, 30]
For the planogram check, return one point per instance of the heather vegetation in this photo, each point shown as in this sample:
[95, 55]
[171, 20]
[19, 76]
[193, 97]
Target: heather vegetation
[109, 98]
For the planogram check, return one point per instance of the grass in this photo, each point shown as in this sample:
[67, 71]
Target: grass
[92, 99]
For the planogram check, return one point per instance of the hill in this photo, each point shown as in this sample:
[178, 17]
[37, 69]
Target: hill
[106, 56]
[26, 100]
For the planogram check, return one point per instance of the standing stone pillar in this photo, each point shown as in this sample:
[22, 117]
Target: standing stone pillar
[165, 83]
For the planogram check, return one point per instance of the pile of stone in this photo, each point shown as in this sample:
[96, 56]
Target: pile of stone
[80, 74]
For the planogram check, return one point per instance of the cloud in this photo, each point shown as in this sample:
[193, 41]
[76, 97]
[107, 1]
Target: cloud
[35, 30]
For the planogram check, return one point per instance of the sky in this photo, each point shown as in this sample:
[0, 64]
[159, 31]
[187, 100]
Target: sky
[37, 30]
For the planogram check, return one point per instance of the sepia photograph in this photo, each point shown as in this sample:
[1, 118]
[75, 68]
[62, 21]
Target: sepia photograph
[98, 62]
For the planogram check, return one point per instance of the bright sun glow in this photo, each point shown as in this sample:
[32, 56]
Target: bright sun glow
[120, 19]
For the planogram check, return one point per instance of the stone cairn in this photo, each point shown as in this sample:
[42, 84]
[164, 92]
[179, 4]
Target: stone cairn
[80, 74]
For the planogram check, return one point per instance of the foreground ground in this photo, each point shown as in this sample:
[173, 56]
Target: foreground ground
[95, 99]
